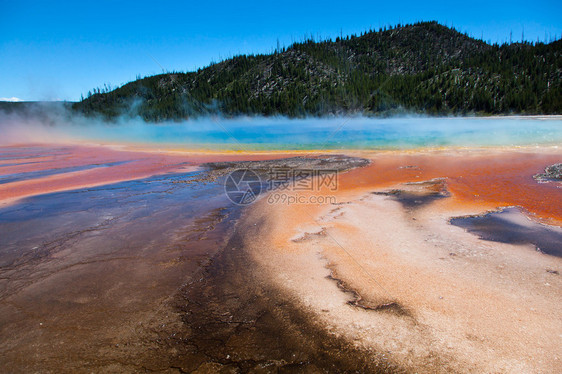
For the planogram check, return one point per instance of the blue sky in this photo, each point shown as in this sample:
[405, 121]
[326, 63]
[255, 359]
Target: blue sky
[53, 50]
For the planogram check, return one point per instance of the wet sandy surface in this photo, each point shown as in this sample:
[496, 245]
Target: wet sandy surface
[156, 271]
[81, 270]
[383, 267]
[143, 275]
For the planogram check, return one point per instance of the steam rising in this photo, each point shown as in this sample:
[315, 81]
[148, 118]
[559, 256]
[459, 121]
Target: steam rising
[258, 133]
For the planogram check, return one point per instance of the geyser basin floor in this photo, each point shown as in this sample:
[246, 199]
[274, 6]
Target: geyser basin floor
[85, 273]
[63, 168]
[467, 305]
[96, 278]
[154, 275]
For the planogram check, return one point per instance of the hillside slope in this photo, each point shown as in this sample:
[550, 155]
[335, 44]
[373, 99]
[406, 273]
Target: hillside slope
[424, 68]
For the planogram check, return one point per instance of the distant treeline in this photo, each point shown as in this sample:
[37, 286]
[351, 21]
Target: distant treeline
[423, 68]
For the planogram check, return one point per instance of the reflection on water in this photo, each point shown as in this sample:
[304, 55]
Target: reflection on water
[511, 226]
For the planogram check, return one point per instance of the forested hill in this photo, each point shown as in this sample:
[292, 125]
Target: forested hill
[424, 68]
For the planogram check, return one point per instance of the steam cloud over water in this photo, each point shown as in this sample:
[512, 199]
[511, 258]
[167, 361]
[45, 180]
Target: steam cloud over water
[258, 133]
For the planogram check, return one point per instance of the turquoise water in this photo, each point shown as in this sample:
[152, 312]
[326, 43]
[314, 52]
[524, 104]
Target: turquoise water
[319, 133]
[345, 133]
